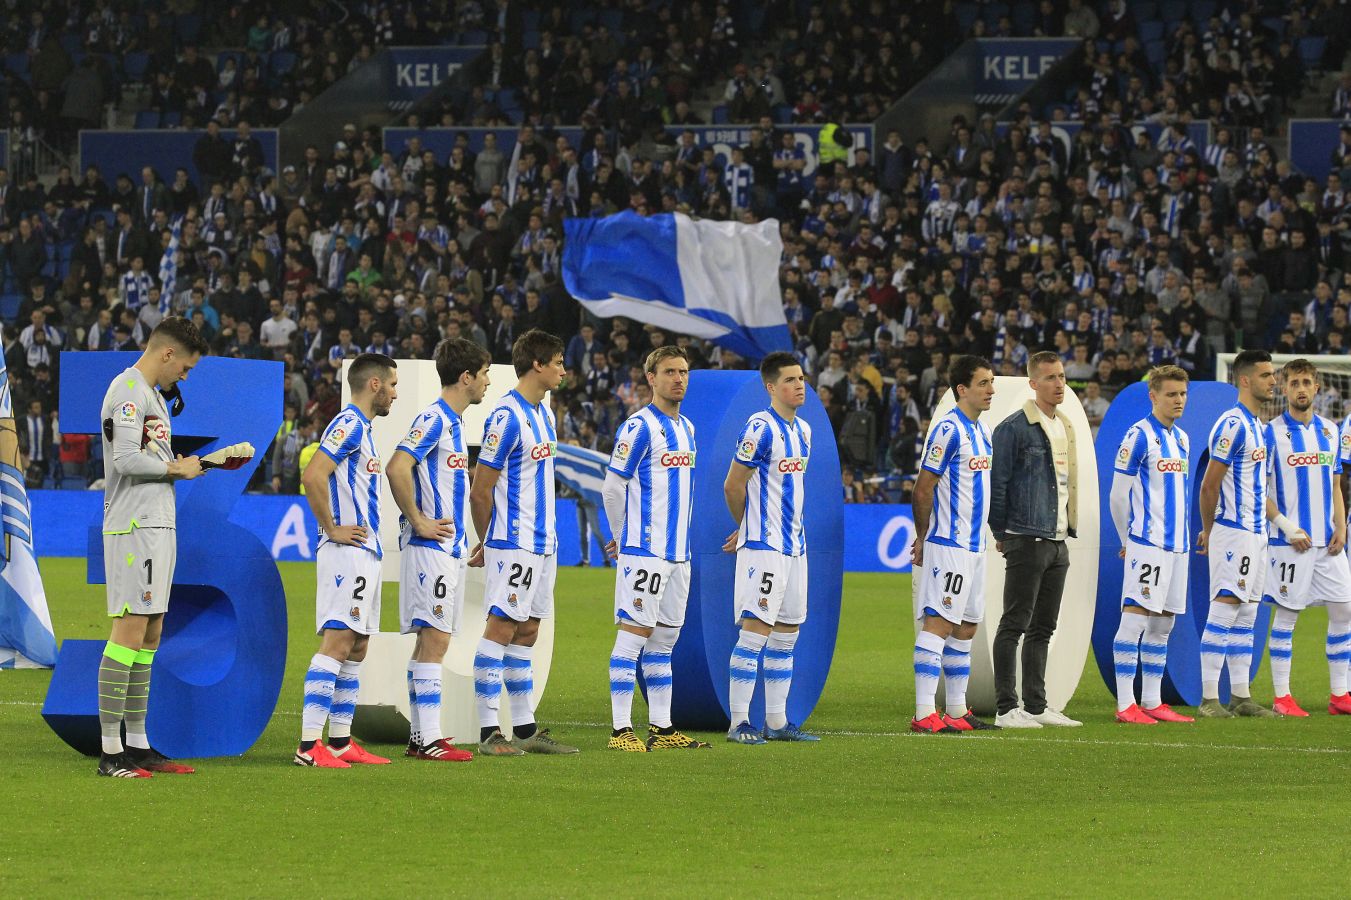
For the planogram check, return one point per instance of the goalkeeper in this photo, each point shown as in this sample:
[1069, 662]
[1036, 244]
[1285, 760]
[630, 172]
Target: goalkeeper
[140, 537]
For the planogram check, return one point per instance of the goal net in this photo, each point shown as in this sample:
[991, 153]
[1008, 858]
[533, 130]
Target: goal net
[1334, 379]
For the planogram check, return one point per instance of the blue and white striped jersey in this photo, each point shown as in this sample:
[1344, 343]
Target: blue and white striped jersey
[738, 180]
[776, 451]
[1239, 441]
[520, 441]
[437, 444]
[655, 453]
[959, 452]
[1304, 461]
[1157, 458]
[354, 487]
[1344, 454]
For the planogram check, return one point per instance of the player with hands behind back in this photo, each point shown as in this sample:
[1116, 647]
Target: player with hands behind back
[342, 484]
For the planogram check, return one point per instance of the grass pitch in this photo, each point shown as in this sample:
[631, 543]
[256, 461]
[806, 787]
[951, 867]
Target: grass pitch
[1215, 808]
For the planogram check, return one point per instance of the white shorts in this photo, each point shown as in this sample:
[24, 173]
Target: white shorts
[1312, 578]
[1154, 579]
[348, 595]
[431, 589]
[771, 587]
[520, 584]
[1238, 563]
[951, 584]
[651, 591]
[139, 570]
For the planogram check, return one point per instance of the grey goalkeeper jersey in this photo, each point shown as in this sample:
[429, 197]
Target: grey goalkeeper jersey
[137, 491]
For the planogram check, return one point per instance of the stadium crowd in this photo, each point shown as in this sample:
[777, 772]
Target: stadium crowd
[1118, 250]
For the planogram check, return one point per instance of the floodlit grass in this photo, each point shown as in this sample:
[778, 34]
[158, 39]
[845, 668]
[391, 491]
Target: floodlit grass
[1214, 808]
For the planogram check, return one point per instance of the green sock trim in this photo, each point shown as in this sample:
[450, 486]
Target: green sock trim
[125, 655]
[145, 657]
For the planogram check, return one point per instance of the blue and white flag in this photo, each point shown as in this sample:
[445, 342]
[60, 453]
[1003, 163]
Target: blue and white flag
[584, 471]
[168, 268]
[26, 637]
[712, 280]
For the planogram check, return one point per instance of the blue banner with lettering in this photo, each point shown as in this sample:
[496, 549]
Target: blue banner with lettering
[1066, 132]
[413, 71]
[1009, 66]
[879, 535]
[1312, 142]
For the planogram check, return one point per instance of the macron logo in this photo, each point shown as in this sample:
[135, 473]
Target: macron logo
[337, 580]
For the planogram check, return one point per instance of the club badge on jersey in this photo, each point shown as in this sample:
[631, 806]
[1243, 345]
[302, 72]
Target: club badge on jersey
[777, 451]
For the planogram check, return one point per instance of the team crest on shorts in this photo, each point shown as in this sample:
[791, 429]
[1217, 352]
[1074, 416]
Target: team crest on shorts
[1285, 591]
[638, 603]
[947, 603]
[511, 601]
[1144, 590]
[1242, 584]
[354, 614]
[145, 598]
[436, 611]
[764, 604]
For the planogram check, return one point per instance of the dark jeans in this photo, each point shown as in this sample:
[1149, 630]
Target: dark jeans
[1033, 582]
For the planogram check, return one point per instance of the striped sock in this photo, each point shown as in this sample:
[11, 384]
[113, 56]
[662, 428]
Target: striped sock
[1339, 645]
[1282, 648]
[414, 729]
[778, 666]
[1153, 659]
[928, 666]
[1125, 654]
[520, 683]
[1214, 646]
[138, 699]
[956, 675]
[114, 677]
[657, 673]
[319, 681]
[745, 665]
[623, 674]
[1238, 655]
[427, 687]
[488, 682]
[344, 708]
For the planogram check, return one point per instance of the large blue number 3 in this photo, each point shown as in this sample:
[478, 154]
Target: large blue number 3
[219, 669]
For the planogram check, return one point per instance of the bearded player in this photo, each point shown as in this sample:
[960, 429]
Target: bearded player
[649, 489]
[342, 484]
[1234, 512]
[1305, 469]
[429, 479]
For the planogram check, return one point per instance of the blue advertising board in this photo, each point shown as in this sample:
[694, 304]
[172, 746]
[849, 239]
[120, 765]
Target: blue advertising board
[414, 71]
[879, 533]
[1311, 144]
[1010, 66]
[164, 150]
[1066, 132]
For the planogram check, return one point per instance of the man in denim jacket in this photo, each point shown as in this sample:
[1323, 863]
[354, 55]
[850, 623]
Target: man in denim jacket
[1033, 509]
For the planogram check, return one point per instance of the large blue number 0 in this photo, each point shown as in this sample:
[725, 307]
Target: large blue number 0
[219, 669]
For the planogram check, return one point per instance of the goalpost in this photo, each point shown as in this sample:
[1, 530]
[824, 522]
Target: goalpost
[1334, 376]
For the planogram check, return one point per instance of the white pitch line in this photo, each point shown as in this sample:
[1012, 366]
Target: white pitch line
[990, 739]
[993, 739]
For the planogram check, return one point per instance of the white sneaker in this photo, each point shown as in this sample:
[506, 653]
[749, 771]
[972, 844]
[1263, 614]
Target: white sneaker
[1016, 718]
[1054, 717]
